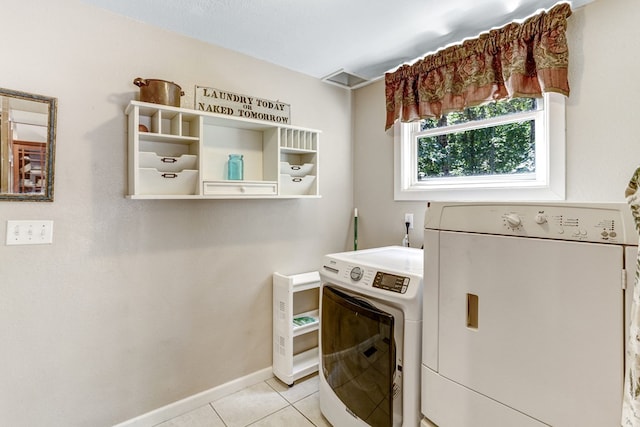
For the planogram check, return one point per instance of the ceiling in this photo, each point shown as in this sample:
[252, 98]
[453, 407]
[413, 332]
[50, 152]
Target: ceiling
[361, 38]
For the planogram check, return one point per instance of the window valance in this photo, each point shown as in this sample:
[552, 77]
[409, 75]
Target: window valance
[518, 60]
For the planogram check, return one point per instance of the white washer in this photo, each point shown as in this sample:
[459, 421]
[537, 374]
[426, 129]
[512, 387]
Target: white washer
[524, 313]
[370, 333]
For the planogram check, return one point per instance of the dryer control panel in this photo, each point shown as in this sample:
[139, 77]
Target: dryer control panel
[592, 222]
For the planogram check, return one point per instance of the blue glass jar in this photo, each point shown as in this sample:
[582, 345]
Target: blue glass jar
[235, 167]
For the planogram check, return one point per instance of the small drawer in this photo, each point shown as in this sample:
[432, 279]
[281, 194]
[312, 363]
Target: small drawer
[153, 181]
[240, 188]
[296, 170]
[168, 163]
[294, 185]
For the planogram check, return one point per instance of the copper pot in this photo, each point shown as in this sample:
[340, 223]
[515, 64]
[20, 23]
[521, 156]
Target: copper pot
[159, 91]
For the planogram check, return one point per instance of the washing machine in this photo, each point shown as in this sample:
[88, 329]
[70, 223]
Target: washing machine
[524, 313]
[370, 335]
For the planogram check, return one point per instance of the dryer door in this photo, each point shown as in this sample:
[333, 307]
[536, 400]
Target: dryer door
[534, 324]
[358, 355]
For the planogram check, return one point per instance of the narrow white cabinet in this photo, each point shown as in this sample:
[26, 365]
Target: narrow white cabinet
[181, 153]
[296, 322]
[298, 162]
[164, 151]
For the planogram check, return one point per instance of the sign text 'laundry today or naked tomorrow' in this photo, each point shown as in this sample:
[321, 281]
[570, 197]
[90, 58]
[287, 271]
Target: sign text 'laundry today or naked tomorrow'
[222, 102]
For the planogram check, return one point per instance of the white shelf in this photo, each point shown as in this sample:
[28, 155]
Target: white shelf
[161, 137]
[306, 363]
[307, 327]
[296, 150]
[173, 132]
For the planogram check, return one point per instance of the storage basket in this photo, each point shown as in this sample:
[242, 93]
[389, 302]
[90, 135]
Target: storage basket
[153, 181]
[296, 185]
[296, 170]
[168, 163]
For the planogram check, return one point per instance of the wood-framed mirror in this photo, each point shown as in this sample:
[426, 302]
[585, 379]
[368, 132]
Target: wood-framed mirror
[27, 146]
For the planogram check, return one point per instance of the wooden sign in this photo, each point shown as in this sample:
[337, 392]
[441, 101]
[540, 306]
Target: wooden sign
[222, 102]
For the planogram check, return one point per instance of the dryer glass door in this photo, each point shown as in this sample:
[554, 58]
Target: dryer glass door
[358, 355]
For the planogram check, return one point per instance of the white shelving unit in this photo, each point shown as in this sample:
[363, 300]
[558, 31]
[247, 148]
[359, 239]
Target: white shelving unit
[178, 153]
[296, 317]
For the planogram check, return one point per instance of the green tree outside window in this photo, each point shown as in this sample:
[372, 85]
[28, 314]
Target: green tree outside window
[492, 150]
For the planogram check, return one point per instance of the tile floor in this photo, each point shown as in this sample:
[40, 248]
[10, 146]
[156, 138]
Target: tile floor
[270, 403]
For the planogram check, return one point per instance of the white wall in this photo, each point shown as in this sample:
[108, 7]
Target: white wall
[140, 303]
[603, 143]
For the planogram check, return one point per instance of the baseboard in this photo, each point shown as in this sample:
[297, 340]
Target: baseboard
[190, 403]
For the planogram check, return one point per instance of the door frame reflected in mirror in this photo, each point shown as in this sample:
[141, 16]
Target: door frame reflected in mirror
[10, 161]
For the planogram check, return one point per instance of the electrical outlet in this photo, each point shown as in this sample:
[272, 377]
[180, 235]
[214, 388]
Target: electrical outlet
[408, 217]
[29, 232]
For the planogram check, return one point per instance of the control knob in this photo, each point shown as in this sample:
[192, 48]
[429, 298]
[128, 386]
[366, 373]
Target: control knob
[540, 218]
[356, 274]
[513, 220]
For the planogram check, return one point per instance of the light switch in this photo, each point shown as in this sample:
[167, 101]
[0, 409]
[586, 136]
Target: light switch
[29, 232]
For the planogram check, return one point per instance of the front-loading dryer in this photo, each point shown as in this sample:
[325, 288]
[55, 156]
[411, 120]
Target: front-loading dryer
[524, 313]
[370, 337]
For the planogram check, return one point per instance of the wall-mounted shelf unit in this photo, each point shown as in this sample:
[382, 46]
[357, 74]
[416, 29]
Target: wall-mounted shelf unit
[296, 321]
[177, 153]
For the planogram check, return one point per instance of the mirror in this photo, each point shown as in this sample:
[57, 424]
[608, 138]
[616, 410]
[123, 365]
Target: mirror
[27, 146]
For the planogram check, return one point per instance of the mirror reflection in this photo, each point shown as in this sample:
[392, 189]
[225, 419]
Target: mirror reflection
[27, 146]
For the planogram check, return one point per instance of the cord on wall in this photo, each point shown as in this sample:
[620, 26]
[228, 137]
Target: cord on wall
[405, 241]
[355, 229]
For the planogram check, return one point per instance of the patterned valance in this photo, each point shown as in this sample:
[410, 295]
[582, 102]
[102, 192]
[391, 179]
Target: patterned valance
[518, 60]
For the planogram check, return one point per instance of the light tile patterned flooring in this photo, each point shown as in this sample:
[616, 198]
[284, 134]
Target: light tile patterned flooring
[270, 403]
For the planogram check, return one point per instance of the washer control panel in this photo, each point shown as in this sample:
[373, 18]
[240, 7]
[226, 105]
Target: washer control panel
[369, 277]
[391, 282]
[392, 273]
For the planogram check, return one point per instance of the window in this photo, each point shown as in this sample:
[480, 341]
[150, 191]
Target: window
[505, 150]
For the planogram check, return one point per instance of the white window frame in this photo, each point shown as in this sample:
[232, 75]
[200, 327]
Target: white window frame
[547, 183]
